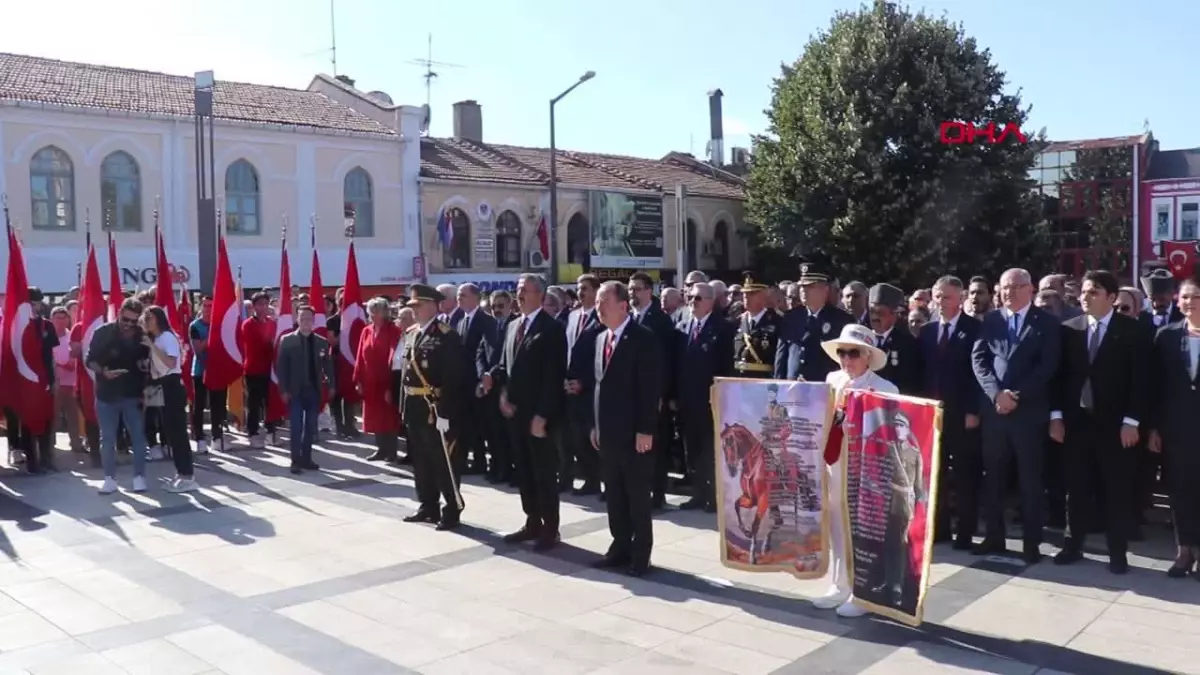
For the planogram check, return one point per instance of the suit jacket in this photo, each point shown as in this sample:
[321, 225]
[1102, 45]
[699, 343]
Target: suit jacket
[482, 324]
[659, 323]
[491, 346]
[290, 365]
[1175, 396]
[532, 371]
[1119, 374]
[1026, 366]
[903, 367]
[1146, 318]
[947, 373]
[799, 354]
[579, 320]
[626, 395]
[707, 357]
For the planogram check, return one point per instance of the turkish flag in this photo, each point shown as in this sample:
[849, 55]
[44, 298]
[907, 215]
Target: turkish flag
[224, 361]
[284, 324]
[1181, 258]
[164, 285]
[92, 310]
[184, 332]
[354, 320]
[26, 373]
[316, 296]
[115, 296]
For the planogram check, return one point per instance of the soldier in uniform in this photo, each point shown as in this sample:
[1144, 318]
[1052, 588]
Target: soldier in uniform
[757, 335]
[431, 404]
[799, 355]
[907, 487]
[903, 367]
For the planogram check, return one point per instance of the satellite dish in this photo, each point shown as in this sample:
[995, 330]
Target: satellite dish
[382, 97]
[425, 114]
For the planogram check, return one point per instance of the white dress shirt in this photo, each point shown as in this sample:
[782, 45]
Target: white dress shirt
[1099, 326]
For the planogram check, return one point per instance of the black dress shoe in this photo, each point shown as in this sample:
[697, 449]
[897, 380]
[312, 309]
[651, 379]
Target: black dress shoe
[1031, 556]
[710, 508]
[447, 524]
[422, 517]
[526, 533]
[1180, 569]
[989, 547]
[638, 570]
[658, 502]
[312, 466]
[586, 489]
[1118, 564]
[297, 469]
[546, 541]
[611, 561]
[1071, 553]
[962, 543]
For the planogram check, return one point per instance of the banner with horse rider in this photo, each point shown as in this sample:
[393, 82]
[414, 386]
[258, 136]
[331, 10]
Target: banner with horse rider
[770, 475]
[891, 451]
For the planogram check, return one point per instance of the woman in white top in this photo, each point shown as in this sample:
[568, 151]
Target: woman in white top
[166, 362]
[859, 358]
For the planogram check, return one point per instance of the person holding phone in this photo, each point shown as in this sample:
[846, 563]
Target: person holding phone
[115, 355]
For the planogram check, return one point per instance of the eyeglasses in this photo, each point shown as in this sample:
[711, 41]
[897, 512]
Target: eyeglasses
[1125, 309]
[128, 321]
[696, 298]
[848, 353]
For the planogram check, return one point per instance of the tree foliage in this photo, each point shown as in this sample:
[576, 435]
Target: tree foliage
[852, 172]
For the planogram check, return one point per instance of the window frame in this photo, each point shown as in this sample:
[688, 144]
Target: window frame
[352, 209]
[241, 197]
[504, 240]
[55, 179]
[464, 237]
[116, 221]
[1180, 202]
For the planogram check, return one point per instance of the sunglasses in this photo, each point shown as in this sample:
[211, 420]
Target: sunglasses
[696, 298]
[848, 353]
[128, 321]
[1124, 309]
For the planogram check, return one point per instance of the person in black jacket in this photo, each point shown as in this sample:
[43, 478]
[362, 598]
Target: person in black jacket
[530, 377]
[473, 324]
[799, 355]
[1099, 401]
[648, 313]
[487, 357]
[628, 381]
[903, 367]
[1159, 285]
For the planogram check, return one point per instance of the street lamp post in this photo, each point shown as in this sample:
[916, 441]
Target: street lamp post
[554, 178]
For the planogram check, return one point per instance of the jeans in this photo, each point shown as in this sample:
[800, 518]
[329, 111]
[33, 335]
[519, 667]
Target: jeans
[303, 408]
[173, 418]
[110, 415]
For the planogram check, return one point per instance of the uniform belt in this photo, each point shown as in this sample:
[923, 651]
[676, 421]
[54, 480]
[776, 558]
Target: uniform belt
[748, 366]
[421, 391]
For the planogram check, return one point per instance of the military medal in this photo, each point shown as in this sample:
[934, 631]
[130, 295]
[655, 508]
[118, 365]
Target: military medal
[424, 363]
[766, 344]
[825, 329]
[895, 358]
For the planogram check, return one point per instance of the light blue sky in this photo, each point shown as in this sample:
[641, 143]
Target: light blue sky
[1091, 68]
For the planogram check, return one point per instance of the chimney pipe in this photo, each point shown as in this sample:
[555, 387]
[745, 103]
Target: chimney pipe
[468, 121]
[716, 145]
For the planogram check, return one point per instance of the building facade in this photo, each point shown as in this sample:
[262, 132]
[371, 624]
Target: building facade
[90, 149]
[1170, 198]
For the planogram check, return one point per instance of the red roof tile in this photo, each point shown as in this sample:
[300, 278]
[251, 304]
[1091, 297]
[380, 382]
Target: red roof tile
[39, 80]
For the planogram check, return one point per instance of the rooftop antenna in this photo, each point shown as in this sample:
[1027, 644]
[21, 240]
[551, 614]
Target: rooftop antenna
[333, 36]
[428, 63]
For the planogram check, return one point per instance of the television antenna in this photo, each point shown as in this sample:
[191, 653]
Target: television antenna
[430, 74]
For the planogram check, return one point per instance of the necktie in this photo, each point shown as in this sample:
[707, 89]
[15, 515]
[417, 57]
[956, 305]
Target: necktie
[753, 323]
[695, 330]
[945, 338]
[1014, 327]
[1094, 341]
[879, 340]
[639, 316]
[579, 325]
[608, 348]
[520, 332]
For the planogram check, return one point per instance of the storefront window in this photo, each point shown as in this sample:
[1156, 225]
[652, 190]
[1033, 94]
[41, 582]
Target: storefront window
[1189, 220]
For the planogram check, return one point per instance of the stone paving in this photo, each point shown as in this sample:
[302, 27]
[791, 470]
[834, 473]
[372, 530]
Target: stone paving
[263, 572]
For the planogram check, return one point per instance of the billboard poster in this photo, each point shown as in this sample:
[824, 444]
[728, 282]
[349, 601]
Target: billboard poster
[770, 475]
[891, 454]
[626, 231]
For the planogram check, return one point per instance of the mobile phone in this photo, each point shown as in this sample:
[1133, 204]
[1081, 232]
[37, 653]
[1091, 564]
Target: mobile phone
[119, 371]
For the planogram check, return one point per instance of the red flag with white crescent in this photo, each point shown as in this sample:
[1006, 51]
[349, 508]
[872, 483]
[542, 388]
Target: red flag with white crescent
[115, 296]
[316, 297]
[92, 314]
[354, 320]
[184, 332]
[284, 324]
[1181, 258]
[223, 364]
[26, 373]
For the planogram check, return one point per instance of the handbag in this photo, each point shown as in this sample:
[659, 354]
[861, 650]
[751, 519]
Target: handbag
[152, 394]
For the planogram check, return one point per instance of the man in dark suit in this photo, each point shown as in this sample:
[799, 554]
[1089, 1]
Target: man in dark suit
[487, 357]
[705, 353]
[649, 314]
[530, 376]
[1159, 286]
[582, 325]
[1100, 398]
[799, 355]
[854, 301]
[472, 326]
[1015, 359]
[628, 381]
[903, 367]
[946, 355]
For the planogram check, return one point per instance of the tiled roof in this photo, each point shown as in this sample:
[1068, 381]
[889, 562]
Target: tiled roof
[39, 80]
[456, 159]
[1170, 164]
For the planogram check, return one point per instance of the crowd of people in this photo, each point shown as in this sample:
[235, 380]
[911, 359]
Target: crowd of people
[1075, 396]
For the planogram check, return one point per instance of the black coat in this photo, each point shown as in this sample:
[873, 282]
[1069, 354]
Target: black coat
[947, 371]
[482, 325]
[1175, 396]
[799, 354]
[903, 367]
[1027, 366]
[702, 360]
[532, 372]
[659, 323]
[626, 395]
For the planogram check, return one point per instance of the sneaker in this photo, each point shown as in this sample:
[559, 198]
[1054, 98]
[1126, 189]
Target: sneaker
[849, 610]
[16, 457]
[109, 486]
[156, 453]
[139, 483]
[273, 438]
[180, 485]
[324, 422]
[202, 447]
[257, 442]
[834, 598]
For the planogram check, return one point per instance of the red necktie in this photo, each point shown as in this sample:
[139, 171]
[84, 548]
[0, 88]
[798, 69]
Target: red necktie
[608, 348]
[579, 324]
[520, 332]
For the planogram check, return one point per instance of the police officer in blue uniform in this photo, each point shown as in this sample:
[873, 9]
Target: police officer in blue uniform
[799, 355]
[757, 336]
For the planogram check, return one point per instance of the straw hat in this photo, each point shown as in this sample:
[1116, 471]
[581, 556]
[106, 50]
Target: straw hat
[855, 336]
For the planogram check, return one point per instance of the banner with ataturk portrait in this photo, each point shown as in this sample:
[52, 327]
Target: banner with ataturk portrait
[770, 475]
[891, 454]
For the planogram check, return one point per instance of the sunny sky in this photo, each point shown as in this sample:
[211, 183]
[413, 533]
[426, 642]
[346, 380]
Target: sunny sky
[1090, 68]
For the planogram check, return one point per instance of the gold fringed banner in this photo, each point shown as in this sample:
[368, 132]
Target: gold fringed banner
[770, 475]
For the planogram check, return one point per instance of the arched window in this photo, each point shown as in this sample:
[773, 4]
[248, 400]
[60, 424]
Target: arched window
[720, 246]
[52, 189]
[579, 244]
[121, 193]
[458, 254]
[359, 205]
[242, 199]
[692, 245]
[508, 240]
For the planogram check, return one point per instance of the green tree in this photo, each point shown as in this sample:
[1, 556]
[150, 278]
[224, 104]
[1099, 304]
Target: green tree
[852, 172]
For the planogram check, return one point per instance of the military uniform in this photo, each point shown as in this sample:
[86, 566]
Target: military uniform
[799, 355]
[431, 405]
[907, 487]
[756, 339]
[903, 367]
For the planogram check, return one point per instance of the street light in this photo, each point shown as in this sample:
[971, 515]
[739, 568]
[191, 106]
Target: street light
[554, 178]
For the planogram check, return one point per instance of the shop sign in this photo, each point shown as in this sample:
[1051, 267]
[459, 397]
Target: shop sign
[147, 276]
[967, 133]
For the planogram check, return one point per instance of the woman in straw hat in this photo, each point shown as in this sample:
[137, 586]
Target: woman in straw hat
[858, 357]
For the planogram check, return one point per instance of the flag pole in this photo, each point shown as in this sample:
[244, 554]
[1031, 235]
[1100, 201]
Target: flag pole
[87, 229]
[312, 231]
[157, 232]
[4, 205]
